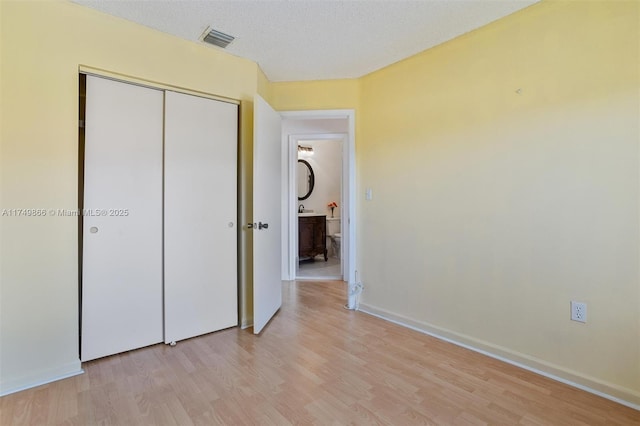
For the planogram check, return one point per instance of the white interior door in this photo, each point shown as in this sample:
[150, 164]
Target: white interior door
[122, 226]
[267, 240]
[200, 208]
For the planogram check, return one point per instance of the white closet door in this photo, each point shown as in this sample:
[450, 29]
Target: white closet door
[200, 207]
[122, 228]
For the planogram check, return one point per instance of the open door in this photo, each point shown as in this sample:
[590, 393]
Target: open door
[267, 238]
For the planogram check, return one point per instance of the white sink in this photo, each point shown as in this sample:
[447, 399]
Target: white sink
[308, 213]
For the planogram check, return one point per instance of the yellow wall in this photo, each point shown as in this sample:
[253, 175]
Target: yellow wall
[492, 210]
[323, 94]
[264, 86]
[43, 43]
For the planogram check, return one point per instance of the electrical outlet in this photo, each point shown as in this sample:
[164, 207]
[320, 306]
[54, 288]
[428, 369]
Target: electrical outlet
[578, 311]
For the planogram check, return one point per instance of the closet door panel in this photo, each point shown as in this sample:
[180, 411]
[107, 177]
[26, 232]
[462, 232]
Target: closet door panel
[200, 207]
[122, 224]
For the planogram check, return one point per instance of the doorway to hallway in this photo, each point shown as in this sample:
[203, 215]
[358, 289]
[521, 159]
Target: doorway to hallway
[300, 127]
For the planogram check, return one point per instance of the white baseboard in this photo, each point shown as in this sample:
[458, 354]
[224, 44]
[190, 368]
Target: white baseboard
[41, 377]
[624, 396]
[246, 324]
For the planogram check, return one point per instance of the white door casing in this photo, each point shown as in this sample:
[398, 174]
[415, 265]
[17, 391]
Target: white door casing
[200, 208]
[122, 224]
[267, 254]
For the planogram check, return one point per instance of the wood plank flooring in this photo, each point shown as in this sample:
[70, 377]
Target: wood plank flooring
[315, 363]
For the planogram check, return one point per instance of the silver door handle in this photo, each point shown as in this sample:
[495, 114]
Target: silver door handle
[258, 225]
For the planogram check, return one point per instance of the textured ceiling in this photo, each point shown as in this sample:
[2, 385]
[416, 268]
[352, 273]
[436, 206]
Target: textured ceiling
[317, 39]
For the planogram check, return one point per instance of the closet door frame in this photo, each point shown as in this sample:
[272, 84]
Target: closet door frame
[89, 72]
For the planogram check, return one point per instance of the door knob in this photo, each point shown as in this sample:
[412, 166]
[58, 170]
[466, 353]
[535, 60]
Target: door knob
[258, 225]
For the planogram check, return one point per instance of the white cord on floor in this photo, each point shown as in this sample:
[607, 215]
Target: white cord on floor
[355, 291]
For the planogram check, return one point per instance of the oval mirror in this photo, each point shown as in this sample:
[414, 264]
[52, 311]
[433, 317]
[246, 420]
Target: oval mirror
[306, 179]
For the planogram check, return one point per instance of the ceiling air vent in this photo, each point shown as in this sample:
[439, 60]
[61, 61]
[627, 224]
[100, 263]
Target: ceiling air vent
[217, 38]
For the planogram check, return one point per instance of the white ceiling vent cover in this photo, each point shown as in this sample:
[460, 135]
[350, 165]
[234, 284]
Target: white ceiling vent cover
[217, 38]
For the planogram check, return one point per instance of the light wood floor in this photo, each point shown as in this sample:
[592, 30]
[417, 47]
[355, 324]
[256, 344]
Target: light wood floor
[315, 363]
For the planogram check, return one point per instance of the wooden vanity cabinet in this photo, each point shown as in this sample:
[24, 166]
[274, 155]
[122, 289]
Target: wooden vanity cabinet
[312, 236]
